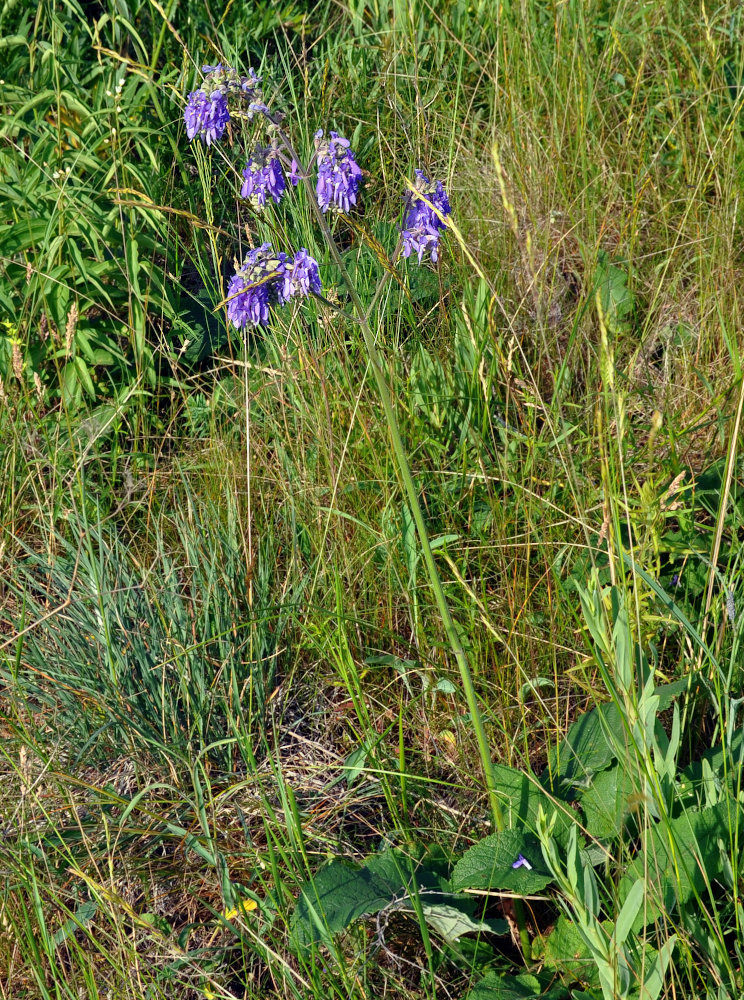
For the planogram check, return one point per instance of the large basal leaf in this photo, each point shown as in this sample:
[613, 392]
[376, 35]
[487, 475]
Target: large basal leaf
[523, 987]
[521, 798]
[606, 803]
[680, 857]
[589, 746]
[489, 864]
[596, 738]
[613, 295]
[567, 952]
[335, 897]
[341, 893]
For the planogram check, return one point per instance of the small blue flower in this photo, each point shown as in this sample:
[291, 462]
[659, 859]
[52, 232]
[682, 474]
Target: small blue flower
[301, 276]
[338, 173]
[423, 225]
[522, 862]
[263, 177]
[206, 115]
[256, 287]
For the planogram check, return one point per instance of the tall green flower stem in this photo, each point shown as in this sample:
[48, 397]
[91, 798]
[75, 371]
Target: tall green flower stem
[404, 469]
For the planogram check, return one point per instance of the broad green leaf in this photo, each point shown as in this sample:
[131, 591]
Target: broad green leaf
[84, 376]
[613, 295]
[586, 748]
[489, 864]
[567, 951]
[605, 803]
[596, 738]
[355, 764]
[332, 900]
[81, 918]
[680, 858]
[451, 922]
[523, 987]
[72, 391]
[341, 893]
[521, 797]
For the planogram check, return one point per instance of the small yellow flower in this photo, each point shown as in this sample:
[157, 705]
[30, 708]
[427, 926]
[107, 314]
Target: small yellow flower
[246, 906]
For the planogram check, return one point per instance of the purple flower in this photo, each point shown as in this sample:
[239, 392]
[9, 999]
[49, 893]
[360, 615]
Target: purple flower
[206, 115]
[522, 862]
[338, 173]
[256, 287]
[301, 276]
[422, 224]
[263, 176]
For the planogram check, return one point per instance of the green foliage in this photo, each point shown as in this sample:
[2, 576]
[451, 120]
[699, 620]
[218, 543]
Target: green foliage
[340, 893]
[489, 864]
[164, 657]
[521, 987]
[615, 301]
[180, 733]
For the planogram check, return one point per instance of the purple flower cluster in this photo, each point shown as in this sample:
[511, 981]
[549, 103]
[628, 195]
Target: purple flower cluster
[267, 279]
[338, 173]
[302, 276]
[263, 177]
[422, 224]
[207, 114]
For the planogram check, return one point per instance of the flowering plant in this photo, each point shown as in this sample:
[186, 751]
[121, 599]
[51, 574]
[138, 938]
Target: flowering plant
[266, 279]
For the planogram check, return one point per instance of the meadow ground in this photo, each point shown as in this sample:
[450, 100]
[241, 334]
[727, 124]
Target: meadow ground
[390, 646]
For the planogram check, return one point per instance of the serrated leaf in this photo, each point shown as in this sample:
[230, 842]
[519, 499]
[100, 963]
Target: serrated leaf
[489, 864]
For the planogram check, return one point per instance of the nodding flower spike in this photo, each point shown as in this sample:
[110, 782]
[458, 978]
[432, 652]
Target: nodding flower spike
[263, 177]
[207, 113]
[423, 225]
[338, 173]
[522, 862]
[267, 279]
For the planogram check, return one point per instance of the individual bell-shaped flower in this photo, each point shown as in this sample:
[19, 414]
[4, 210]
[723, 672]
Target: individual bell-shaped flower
[206, 115]
[301, 276]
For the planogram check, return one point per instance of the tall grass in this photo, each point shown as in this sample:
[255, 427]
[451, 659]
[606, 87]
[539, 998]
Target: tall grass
[223, 663]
